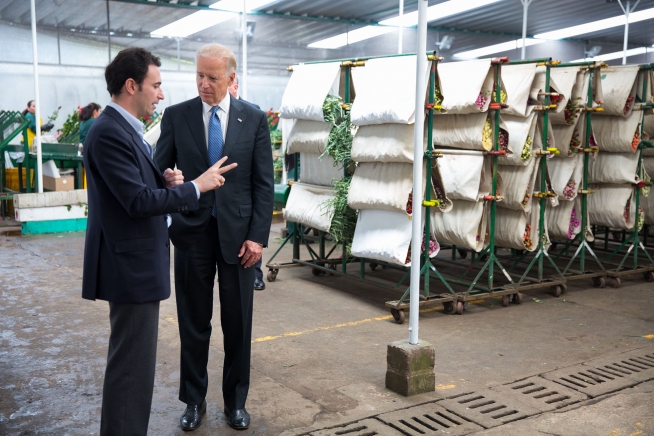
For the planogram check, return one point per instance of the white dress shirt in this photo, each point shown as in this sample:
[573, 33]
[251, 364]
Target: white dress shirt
[223, 116]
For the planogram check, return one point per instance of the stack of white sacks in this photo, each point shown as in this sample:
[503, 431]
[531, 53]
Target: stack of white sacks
[383, 147]
[616, 131]
[302, 114]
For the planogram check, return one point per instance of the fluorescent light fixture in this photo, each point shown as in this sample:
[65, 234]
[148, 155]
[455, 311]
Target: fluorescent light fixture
[616, 55]
[202, 20]
[496, 48]
[435, 12]
[596, 26]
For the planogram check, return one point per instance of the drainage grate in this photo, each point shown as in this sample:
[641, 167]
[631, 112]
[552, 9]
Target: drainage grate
[428, 419]
[603, 376]
[367, 427]
[488, 408]
[541, 394]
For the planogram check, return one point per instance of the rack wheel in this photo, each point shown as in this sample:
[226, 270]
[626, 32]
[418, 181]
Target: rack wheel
[565, 288]
[332, 266]
[505, 300]
[272, 275]
[615, 282]
[649, 276]
[373, 265]
[398, 315]
[316, 272]
[516, 298]
[462, 253]
[449, 308]
[558, 291]
[459, 307]
[599, 282]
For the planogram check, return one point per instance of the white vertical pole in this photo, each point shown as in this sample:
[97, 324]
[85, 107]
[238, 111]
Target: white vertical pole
[243, 83]
[37, 102]
[400, 32]
[418, 134]
[525, 9]
[626, 34]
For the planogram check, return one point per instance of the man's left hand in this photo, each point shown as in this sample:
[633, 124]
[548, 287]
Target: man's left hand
[250, 253]
[173, 177]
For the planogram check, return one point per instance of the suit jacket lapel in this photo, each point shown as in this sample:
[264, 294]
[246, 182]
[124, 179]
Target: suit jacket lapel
[234, 125]
[195, 120]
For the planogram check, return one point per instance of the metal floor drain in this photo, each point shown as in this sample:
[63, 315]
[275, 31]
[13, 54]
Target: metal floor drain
[428, 419]
[367, 427]
[488, 408]
[541, 394]
[606, 375]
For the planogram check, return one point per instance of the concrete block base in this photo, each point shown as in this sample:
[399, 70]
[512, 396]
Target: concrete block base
[410, 368]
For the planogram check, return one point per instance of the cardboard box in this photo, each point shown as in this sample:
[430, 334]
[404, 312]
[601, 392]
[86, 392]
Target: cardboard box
[63, 183]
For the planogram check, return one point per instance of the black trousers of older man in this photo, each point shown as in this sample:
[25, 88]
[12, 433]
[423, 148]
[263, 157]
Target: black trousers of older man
[195, 271]
[129, 377]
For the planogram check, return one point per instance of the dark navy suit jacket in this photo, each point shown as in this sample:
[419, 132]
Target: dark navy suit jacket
[127, 252]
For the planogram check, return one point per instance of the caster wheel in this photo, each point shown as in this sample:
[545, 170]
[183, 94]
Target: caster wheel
[599, 282]
[272, 275]
[558, 291]
[615, 282]
[463, 253]
[516, 298]
[564, 289]
[505, 301]
[398, 315]
[649, 276]
[332, 266]
[459, 308]
[316, 272]
[373, 266]
[449, 308]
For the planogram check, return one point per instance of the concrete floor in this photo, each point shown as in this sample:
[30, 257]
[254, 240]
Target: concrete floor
[319, 351]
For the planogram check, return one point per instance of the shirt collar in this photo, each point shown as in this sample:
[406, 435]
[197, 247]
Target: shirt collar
[131, 119]
[224, 104]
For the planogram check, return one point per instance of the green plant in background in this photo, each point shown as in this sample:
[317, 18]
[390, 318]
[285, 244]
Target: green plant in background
[278, 166]
[275, 137]
[52, 118]
[70, 127]
[345, 218]
[149, 122]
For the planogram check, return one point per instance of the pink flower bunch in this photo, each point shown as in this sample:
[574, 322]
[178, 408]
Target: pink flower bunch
[409, 204]
[569, 190]
[481, 101]
[574, 223]
[433, 246]
[504, 140]
[628, 104]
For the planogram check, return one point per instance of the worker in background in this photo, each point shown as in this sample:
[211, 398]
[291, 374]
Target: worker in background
[30, 115]
[259, 284]
[87, 116]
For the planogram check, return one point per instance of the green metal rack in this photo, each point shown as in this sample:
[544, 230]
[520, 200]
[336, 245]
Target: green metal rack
[12, 124]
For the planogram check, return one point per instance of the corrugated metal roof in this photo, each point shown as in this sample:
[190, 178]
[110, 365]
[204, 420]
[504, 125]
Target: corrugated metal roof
[282, 40]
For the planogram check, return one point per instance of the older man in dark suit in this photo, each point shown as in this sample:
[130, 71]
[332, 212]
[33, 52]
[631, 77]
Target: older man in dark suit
[127, 254]
[228, 232]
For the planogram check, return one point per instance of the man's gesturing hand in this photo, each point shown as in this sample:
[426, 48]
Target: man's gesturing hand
[250, 253]
[173, 177]
[212, 178]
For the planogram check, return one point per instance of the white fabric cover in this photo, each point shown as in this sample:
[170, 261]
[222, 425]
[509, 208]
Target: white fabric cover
[607, 206]
[305, 206]
[648, 125]
[565, 79]
[307, 89]
[308, 137]
[517, 81]
[383, 235]
[616, 168]
[462, 131]
[381, 186]
[386, 91]
[517, 183]
[510, 227]
[465, 176]
[519, 128]
[648, 165]
[647, 204]
[558, 219]
[462, 225]
[564, 169]
[384, 143]
[152, 135]
[615, 134]
[618, 83]
[286, 125]
[460, 84]
[318, 171]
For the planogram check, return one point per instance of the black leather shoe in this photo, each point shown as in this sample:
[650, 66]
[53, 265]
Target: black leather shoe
[259, 285]
[192, 417]
[238, 418]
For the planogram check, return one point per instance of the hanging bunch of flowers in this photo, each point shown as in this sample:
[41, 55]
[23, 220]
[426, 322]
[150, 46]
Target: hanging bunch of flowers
[433, 247]
[569, 190]
[629, 104]
[526, 149]
[570, 111]
[526, 238]
[640, 218]
[574, 223]
[482, 98]
[636, 141]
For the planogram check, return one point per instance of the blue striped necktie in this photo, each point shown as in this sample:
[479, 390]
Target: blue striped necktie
[216, 143]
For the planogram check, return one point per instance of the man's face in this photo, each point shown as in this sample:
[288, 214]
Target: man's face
[149, 93]
[212, 79]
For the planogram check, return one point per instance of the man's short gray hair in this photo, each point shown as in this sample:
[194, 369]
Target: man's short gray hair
[218, 51]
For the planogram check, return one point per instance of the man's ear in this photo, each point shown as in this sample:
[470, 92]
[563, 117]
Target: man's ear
[130, 86]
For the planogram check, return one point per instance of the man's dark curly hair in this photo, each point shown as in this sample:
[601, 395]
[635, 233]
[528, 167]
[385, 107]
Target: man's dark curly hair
[131, 63]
